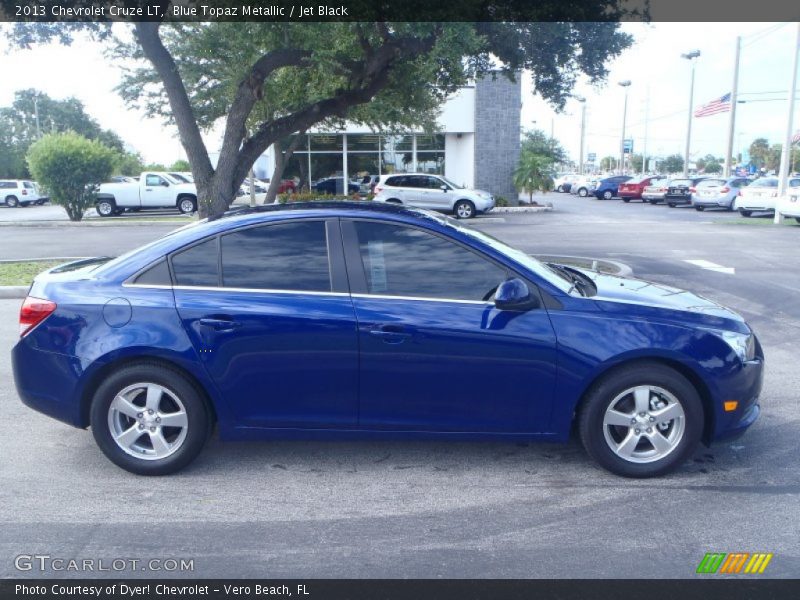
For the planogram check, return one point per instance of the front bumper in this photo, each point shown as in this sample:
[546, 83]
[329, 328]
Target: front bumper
[743, 386]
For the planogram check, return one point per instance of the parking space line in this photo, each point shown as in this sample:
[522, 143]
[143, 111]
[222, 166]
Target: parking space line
[710, 266]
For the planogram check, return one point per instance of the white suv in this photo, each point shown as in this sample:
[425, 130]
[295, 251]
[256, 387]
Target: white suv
[19, 192]
[433, 192]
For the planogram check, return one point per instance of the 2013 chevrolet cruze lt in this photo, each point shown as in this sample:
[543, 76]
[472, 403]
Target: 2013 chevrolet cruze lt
[364, 320]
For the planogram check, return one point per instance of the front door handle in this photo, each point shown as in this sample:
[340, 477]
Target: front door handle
[220, 323]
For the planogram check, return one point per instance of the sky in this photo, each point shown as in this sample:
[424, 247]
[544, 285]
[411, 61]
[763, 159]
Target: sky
[653, 65]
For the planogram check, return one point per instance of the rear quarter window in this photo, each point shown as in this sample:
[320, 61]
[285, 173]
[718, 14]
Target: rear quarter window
[396, 181]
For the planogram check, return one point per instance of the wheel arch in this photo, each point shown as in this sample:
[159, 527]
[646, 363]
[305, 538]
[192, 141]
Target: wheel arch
[95, 378]
[687, 371]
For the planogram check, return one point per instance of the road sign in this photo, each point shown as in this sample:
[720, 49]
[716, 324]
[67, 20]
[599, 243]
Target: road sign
[627, 146]
[592, 156]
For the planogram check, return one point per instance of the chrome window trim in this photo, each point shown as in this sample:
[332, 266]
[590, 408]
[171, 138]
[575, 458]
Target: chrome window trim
[301, 292]
[420, 298]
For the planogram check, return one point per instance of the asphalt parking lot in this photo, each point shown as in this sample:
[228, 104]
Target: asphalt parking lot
[428, 510]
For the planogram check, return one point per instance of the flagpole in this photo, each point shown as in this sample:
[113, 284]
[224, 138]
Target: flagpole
[784, 171]
[734, 93]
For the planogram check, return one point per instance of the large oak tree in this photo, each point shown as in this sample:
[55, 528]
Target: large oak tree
[262, 82]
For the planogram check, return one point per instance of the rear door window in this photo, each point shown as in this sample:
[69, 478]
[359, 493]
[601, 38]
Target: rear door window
[197, 265]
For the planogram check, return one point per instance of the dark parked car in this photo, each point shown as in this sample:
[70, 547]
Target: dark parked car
[335, 185]
[341, 320]
[608, 188]
[634, 188]
[680, 191]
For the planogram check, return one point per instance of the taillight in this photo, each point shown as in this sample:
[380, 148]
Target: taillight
[377, 189]
[24, 192]
[740, 193]
[33, 312]
[725, 190]
[692, 190]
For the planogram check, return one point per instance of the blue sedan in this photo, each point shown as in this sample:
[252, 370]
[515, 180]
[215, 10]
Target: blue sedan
[343, 320]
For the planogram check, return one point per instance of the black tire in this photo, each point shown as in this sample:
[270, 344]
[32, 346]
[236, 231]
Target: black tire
[653, 201]
[605, 391]
[198, 418]
[464, 209]
[394, 201]
[24, 203]
[672, 204]
[105, 207]
[583, 192]
[797, 219]
[12, 201]
[187, 205]
[745, 213]
[608, 195]
[626, 200]
[700, 208]
[560, 189]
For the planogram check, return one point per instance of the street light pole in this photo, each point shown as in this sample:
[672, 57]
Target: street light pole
[625, 84]
[786, 154]
[583, 132]
[692, 58]
[734, 98]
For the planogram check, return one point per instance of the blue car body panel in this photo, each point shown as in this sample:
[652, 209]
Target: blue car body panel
[312, 365]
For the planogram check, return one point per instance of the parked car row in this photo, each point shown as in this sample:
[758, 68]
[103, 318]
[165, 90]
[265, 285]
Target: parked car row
[745, 195]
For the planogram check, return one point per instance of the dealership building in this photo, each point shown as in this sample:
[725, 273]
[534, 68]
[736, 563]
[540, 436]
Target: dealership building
[477, 144]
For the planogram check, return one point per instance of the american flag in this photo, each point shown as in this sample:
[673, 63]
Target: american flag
[720, 105]
[796, 137]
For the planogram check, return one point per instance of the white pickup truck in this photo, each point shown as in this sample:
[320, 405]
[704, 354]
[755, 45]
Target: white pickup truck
[152, 190]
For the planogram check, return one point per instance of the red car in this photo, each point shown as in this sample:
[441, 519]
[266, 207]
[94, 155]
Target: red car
[633, 188]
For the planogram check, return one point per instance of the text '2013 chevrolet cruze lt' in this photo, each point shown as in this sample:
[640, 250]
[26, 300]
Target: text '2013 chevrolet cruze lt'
[327, 321]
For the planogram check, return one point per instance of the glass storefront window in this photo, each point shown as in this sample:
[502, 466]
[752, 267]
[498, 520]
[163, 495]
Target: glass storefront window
[326, 165]
[327, 142]
[362, 142]
[398, 143]
[361, 163]
[430, 142]
[430, 162]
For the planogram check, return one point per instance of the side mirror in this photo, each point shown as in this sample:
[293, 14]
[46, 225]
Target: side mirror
[514, 294]
[444, 187]
[165, 184]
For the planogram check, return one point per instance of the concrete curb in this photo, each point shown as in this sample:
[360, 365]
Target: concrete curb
[13, 291]
[520, 209]
[104, 223]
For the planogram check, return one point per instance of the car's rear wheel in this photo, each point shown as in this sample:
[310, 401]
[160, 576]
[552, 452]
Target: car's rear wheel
[394, 201]
[583, 192]
[12, 201]
[672, 204]
[643, 420]
[745, 213]
[560, 189]
[464, 209]
[608, 195]
[626, 200]
[700, 208]
[797, 219]
[187, 205]
[149, 419]
[105, 207]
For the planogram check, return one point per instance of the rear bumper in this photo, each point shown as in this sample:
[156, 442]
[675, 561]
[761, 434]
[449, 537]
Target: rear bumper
[629, 195]
[713, 202]
[48, 382]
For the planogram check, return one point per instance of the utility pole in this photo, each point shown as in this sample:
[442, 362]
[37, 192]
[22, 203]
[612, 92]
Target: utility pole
[625, 84]
[36, 112]
[692, 58]
[582, 100]
[787, 142]
[734, 102]
[252, 187]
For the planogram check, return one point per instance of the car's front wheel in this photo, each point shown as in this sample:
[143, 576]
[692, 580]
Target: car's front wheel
[464, 209]
[149, 419]
[583, 192]
[699, 208]
[797, 219]
[643, 420]
[608, 195]
[12, 201]
[745, 213]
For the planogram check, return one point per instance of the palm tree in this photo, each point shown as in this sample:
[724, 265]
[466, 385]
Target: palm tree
[533, 174]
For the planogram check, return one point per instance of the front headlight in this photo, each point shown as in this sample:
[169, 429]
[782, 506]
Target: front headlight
[743, 344]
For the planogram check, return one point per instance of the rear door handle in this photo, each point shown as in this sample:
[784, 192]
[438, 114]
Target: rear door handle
[220, 323]
[390, 334]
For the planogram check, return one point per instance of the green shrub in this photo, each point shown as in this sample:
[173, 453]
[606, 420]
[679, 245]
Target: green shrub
[70, 167]
[501, 201]
[317, 197]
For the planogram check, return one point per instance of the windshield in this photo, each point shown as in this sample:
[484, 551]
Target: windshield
[450, 183]
[766, 182]
[681, 182]
[550, 275]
